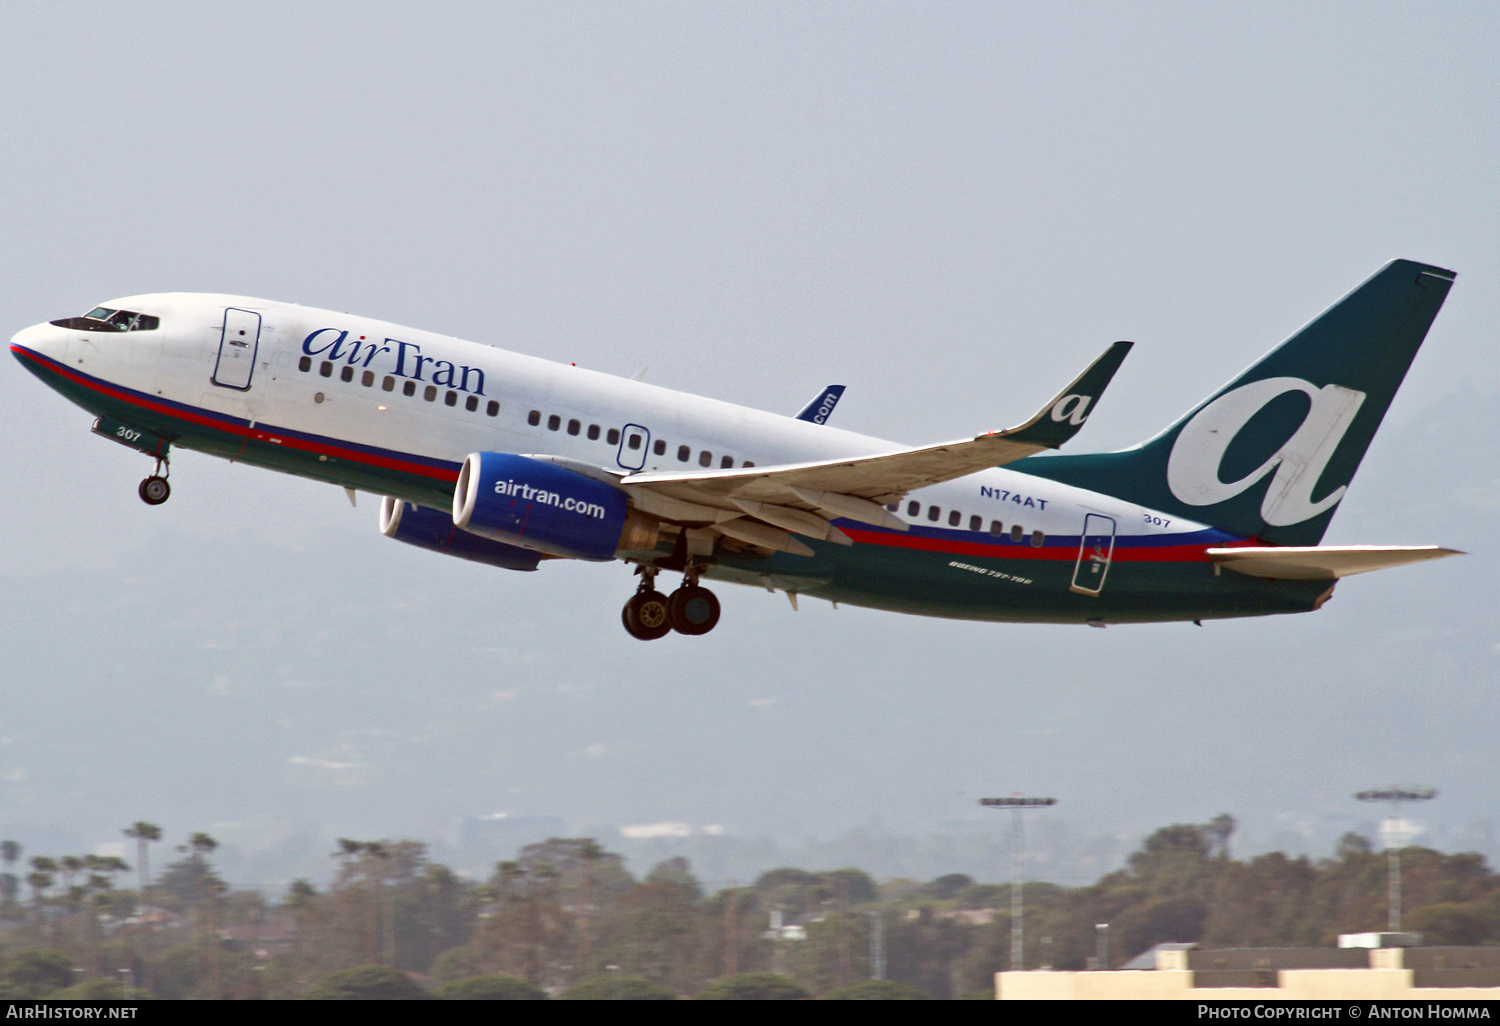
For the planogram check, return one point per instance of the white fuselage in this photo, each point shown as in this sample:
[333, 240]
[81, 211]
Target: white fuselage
[178, 360]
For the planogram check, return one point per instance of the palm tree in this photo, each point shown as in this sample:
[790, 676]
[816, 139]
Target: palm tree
[108, 865]
[10, 851]
[143, 833]
[40, 879]
[68, 867]
[199, 845]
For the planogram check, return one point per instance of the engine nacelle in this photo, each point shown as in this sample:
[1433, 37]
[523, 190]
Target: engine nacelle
[541, 506]
[433, 529]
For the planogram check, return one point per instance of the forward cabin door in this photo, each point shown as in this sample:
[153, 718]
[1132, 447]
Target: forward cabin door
[237, 348]
[1096, 549]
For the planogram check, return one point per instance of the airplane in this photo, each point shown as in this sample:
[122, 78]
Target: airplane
[508, 460]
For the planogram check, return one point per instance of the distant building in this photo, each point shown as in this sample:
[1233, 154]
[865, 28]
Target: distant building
[1276, 974]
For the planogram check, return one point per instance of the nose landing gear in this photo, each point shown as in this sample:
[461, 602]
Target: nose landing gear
[649, 614]
[154, 490]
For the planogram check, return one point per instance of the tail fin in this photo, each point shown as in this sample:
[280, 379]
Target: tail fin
[1270, 454]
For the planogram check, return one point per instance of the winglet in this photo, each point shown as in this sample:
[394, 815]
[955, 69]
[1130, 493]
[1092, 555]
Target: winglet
[817, 411]
[1066, 413]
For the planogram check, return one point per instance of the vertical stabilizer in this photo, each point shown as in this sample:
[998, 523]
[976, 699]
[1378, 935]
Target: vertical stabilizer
[1271, 454]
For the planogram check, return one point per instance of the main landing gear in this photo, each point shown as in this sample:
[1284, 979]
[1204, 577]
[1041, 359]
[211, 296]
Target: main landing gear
[154, 490]
[690, 609]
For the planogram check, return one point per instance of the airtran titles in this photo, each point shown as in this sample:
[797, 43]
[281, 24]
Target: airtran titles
[335, 344]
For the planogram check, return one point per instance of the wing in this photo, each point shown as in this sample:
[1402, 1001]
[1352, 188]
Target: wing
[802, 497]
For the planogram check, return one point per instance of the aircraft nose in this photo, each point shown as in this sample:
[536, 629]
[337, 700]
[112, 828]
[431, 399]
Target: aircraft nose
[39, 338]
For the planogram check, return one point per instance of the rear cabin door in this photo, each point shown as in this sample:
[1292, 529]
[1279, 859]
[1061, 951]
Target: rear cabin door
[1096, 549]
[237, 348]
[634, 441]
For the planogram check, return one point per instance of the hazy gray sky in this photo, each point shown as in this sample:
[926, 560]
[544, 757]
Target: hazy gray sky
[949, 207]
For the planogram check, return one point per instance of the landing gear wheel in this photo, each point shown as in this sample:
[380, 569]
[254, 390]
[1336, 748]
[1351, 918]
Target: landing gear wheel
[693, 610]
[645, 615]
[155, 490]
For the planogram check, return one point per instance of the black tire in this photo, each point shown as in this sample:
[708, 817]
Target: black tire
[154, 491]
[693, 610]
[645, 616]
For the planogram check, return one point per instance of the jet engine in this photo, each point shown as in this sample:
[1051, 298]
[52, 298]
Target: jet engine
[433, 529]
[540, 506]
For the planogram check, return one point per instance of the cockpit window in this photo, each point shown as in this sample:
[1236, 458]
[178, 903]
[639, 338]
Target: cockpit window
[102, 318]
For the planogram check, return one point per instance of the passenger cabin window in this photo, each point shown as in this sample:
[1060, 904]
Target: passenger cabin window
[102, 318]
[429, 393]
[705, 458]
[409, 388]
[492, 409]
[472, 403]
[593, 432]
[683, 452]
[347, 374]
[996, 528]
[613, 438]
[634, 441]
[954, 517]
[913, 508]
[367, 378]
[574, 426]
[660, 448]
[554, 422]
[726, 462]
[748, 463]
[305, 364]
[534, 417]
[326, 369]
[451, 398]
[1038, 539]
[976, 522]
[388, 384]
[933, 512]
[1015, 533]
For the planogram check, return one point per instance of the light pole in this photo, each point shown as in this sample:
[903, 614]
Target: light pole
[1017, 805]
[1394, 796]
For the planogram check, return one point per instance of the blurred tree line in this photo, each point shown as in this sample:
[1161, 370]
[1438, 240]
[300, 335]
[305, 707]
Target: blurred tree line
[565, 919]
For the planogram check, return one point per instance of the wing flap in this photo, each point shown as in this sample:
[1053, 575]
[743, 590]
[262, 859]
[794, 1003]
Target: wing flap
[764, 535]
[1322, 562]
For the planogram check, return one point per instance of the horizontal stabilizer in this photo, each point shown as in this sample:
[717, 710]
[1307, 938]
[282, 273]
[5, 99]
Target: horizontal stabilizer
[1322, 563]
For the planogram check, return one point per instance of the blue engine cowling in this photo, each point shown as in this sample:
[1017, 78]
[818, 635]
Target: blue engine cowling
[433, 529]
[541, 506]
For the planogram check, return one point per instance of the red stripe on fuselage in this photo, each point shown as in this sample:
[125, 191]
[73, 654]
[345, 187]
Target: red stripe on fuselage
[240, 431]
[1161, 554]
[889, 539]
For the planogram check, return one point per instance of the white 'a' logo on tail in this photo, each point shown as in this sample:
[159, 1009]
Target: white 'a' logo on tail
[1193, 466]
[1072, 408]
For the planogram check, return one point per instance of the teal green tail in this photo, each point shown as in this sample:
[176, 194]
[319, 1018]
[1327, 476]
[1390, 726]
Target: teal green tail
[1271, 454]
